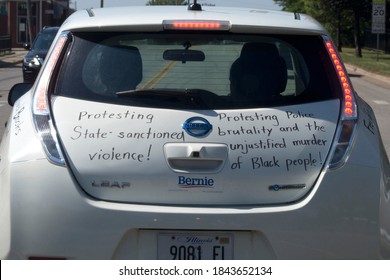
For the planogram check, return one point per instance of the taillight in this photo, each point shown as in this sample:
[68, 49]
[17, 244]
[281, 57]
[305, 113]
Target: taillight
[344, 134]
[349, 105]
[41, 110]
[342, 144]
[196, 25]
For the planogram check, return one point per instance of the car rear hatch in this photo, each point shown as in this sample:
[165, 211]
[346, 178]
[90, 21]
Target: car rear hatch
[185, 129]
[144, 155]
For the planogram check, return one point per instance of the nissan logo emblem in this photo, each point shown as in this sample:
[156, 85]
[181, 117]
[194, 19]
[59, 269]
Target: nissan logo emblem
[197, 126]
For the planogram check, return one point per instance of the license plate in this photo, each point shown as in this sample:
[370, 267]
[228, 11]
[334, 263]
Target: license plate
[195, 246]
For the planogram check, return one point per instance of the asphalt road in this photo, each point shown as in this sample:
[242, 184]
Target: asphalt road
[375, 91]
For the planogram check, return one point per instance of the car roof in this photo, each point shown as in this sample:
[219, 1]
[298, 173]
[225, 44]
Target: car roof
[150, 19]
[49, 29]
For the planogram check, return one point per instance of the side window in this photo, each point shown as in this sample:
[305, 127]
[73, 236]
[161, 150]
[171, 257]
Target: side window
[297, 72]
[111, 69]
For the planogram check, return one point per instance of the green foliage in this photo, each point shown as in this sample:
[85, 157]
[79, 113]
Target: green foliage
[343, 19]
[292, 5]
[372, 61]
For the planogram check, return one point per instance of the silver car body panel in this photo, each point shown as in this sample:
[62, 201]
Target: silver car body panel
[111, 148]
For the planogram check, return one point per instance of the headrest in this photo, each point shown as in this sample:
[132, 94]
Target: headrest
[262, 61]
[257, 51]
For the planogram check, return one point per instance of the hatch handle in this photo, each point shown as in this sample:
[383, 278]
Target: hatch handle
[196, 157]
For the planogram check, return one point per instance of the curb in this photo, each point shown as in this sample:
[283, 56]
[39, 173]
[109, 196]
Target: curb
[354, 70]
[12, 59]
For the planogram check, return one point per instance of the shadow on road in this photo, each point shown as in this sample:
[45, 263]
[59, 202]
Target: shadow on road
[355, 75]
[6, 64]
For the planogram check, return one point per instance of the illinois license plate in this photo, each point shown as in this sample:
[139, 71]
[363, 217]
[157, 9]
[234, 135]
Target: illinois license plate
[195, 246]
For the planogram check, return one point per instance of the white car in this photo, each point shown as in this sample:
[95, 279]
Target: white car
[163, 132]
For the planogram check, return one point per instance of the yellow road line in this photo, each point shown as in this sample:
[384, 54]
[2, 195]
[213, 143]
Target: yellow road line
[155, 79]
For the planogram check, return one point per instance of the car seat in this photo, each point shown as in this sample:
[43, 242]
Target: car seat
[259, 74]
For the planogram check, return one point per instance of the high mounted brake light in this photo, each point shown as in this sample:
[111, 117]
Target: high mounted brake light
[196, 25]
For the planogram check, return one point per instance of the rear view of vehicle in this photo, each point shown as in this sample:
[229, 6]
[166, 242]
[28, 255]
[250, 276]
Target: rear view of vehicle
[168, 133]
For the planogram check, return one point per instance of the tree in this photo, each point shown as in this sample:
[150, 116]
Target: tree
[292, 5]
[166, 2]
[361, 11]
[334, 14]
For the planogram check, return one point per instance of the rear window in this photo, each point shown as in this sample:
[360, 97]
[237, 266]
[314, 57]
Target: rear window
[197, 71]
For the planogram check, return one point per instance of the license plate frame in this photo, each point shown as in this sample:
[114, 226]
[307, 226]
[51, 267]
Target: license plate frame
[190, 245]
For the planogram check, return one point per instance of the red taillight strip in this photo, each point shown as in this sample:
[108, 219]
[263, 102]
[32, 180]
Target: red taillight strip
[196, 25]
[349, 105]
[41, 110]
[40, 101]
[345, 133]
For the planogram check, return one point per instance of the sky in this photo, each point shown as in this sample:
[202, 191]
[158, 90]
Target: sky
[85, 4]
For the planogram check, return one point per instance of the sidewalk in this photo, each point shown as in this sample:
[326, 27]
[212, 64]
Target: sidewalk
[11, 60]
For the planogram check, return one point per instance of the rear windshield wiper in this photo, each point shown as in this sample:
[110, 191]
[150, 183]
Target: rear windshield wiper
[159, 91]
[192, 98]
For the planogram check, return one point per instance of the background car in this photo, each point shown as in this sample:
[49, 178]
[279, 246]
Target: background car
[37, 52]
[164, 132]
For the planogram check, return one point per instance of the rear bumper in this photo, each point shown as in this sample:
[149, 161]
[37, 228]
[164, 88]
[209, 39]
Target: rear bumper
[52, 217]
